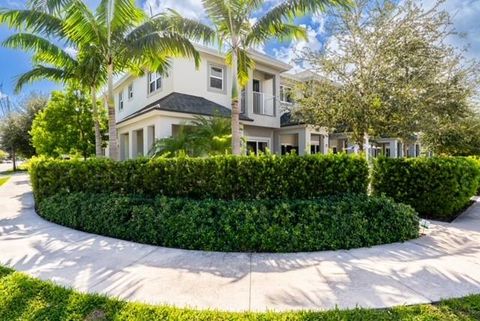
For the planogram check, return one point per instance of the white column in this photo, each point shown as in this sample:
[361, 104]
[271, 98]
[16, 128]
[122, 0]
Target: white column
[326, 145]
[307, 138]
[132, 144]
[146, 145]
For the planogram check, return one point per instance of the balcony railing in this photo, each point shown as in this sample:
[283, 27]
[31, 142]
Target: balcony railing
[263, 104]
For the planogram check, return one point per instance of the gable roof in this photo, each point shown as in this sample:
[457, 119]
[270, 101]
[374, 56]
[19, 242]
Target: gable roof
[188, 104]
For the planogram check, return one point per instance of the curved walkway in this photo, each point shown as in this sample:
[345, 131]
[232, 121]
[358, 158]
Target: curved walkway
[444, 263]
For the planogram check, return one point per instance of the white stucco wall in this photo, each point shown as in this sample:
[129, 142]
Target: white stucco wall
[184, 77]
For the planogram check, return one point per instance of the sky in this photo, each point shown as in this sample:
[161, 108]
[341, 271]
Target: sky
[465, 13]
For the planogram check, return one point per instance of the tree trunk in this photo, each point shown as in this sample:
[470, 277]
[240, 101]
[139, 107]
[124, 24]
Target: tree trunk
[236, 150]
[96, 123]
[366, 146]
[112, 124]
[14, 160]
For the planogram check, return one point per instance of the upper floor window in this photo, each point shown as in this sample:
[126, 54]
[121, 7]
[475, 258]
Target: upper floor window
[154, 82]
[216, 77]
[286, 94]
[120, 100]
[130, 91]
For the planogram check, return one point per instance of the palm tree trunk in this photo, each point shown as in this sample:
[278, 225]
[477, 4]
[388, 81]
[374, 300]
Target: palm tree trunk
[236, 150]
[96, 124]
[112, 124]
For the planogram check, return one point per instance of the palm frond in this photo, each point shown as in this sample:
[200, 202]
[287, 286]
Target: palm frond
[189, 28]
[217, 10]
[49, 6]
[119, 15]
[166, 45]
[245, 64]
[32, 21]
[41, 72]
[279, 31]
[81, 26]
[44, 50]
[290, 9]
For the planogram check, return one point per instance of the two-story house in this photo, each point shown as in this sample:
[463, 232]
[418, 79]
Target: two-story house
[155, 106]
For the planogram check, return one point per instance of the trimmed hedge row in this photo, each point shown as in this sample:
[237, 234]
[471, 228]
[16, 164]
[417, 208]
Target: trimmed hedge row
[330, 223]
[221, 177]
[437, 188]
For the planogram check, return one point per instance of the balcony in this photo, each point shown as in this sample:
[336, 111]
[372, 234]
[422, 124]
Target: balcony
[263, 104]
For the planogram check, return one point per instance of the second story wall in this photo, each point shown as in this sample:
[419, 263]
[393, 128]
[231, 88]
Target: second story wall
[210, 80]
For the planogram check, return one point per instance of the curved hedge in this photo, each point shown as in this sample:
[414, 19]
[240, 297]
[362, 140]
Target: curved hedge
[221, 177]
[331, 223]
[437, 187]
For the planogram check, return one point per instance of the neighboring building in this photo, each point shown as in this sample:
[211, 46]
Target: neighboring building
[154, 106]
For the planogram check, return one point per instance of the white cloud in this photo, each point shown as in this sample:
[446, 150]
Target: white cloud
[187, 8]
[289, 53]
[465, 15]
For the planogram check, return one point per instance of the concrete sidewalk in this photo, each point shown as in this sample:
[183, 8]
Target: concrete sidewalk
[443, 264]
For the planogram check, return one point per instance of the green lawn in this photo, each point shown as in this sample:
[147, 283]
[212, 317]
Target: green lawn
[3, 180]
[26, 298]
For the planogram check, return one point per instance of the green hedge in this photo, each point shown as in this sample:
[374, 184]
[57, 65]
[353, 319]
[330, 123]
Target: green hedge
[221, 177]
[437, 187]
[330, 223]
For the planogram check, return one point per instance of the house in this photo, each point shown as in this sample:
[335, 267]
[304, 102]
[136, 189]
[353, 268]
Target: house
[154, 106]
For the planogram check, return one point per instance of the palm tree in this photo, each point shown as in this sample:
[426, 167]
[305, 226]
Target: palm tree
[201, 137]
[235, 32]
[53, 63]
[121, 35]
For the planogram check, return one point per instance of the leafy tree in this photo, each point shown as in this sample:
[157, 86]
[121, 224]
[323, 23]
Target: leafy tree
[3, 155]
[118, 33]
[15, 128]
[203, 136]
[232, 22]
[65, 126]
[392, 72]
[455, 138]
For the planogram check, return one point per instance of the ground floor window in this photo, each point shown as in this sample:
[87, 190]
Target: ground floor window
[314, 149]
[256, 146]
[288, 149]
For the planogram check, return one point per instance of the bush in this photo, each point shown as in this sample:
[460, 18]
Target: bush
[220, 177]
[331, 223]
[438, 187]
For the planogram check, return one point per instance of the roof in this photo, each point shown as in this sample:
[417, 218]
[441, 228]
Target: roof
[287, 120]
[188, 104]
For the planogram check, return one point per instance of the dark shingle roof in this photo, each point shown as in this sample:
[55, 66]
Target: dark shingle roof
[287, 120]
[183, 103]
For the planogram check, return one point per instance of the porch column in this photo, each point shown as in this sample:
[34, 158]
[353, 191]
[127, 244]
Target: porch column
[132, 137]
[325, 144]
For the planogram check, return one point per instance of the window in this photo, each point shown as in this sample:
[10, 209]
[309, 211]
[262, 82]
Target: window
[255, 147]
[120, 100]
[154, 82]
[216, 75]
[286, 94]
[314, 149]
[130, 91]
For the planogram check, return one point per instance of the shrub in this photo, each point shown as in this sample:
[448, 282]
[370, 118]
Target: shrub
[438, 187]
[331, 223]
[220, 177]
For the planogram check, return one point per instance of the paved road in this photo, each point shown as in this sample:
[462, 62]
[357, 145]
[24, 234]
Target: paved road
[443, 264]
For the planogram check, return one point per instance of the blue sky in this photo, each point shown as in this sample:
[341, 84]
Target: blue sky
[466, 16]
